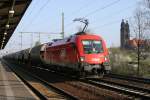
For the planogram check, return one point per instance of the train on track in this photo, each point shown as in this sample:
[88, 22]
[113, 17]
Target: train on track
[82, 52]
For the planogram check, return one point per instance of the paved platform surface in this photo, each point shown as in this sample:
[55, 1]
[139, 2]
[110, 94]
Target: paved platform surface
[11, 87]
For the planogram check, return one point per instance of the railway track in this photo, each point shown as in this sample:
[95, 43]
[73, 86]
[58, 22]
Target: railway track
[132, 91]
[135, 79]
[42, 89]
[70, 89]
[80, 89]
[89, 89]
[122, 87]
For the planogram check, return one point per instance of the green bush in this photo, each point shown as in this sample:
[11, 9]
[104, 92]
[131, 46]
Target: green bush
[120, 61]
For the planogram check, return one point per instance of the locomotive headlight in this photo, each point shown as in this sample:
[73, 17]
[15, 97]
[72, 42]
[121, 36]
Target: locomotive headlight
[82, 58]
[106, 58]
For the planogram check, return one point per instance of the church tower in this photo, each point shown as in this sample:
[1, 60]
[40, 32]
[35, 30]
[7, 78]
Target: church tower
[124, 34]
[122, 31]
[127, 31]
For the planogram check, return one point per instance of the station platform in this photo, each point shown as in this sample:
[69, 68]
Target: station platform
[11, 87]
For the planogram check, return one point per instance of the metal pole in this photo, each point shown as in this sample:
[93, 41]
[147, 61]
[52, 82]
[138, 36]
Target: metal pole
[13, 4]
[31, 39]
[62, 25]
[39, 37]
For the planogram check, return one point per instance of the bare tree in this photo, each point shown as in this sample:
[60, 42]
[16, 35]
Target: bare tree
[146, 3]
[139, 29]
[141, 25]
[146, 13]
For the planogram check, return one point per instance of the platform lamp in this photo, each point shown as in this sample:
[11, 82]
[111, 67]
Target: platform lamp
[7, 26]
[5, 33]
[11, 13]
[4, 38]
[2, 44]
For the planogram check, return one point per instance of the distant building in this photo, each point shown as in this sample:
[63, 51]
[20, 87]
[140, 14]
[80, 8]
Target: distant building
[133, 44]
[124, 34]
[126, 42]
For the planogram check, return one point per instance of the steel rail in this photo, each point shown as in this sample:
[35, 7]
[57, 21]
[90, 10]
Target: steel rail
[131, 78]
[120, 88]
[42, 97]
[123, 85]
[129, 90]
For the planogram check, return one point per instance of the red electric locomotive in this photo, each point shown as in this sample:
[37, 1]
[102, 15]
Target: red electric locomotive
[82, 52]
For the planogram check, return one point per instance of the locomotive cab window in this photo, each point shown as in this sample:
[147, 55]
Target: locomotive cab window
[92, 46]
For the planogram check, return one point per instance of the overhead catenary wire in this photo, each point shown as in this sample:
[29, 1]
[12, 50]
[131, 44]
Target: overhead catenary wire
[116, 21]
[37, 14]
[77, 11]
[111, 23]
[117, 12]
[81, 8]
[31, 12]
[97, 10]
[101, 8]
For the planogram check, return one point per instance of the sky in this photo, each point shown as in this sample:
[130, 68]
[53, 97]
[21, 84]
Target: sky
[44, 16]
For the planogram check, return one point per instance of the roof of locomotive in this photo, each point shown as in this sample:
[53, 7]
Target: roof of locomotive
[70, 39]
